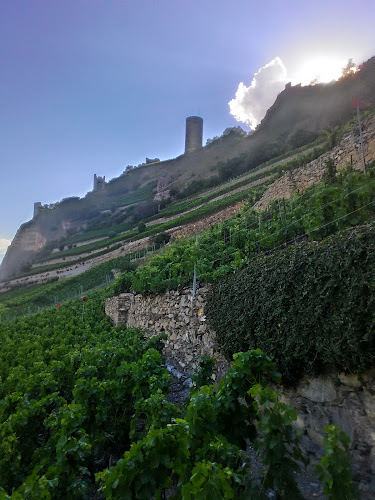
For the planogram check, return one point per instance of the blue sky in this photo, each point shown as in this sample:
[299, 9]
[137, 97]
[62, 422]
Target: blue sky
[90, 86]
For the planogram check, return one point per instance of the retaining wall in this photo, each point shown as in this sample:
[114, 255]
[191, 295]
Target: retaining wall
[345, 400]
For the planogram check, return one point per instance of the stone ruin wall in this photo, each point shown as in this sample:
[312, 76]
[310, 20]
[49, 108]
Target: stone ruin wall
[349, 150]
[345, 400]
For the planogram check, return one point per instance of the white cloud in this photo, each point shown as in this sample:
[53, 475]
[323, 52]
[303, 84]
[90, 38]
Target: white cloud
[4, 244]
[251, 103]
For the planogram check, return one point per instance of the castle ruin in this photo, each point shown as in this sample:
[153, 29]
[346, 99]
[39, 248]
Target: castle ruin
[99, 183]
[37, 207]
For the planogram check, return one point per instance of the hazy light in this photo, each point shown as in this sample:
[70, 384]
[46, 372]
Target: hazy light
[4, 244]
[318, 70]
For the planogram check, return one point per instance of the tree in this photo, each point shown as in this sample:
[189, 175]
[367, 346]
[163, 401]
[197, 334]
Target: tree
[160, 239]
[331, 170]
[141, 227]
[349, 70]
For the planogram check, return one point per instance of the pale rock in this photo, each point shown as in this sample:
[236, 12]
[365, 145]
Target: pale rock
[319, 390]
[315, 436]
[368, 401]
[349, 379]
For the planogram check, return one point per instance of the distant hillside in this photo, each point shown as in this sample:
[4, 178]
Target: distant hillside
[299, 116]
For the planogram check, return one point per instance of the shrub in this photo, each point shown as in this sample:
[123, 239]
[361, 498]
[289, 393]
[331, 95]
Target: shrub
[310, 306]
[160, 239]
[122, 283]
[141, 227]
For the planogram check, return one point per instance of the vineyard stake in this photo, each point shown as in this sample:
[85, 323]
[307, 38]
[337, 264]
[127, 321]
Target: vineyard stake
[195, 268]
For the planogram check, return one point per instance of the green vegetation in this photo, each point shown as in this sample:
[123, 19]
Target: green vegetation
[198, 453]
[256, 173]
[180, 207]
[31, 298]
[310, 306]
[318, 212]
[68, 390]
[77, 395]
[251, 194]
[83, 407]
[160, 239]
[69, 263]
[334, 470]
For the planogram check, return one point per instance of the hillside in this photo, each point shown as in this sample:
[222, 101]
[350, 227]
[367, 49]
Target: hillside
[286, 249]
[79, 394]
[109, 217]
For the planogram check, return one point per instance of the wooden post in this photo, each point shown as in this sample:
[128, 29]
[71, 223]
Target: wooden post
[281, 217]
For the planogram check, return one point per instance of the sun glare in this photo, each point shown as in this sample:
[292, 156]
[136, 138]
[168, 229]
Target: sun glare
[319, 70]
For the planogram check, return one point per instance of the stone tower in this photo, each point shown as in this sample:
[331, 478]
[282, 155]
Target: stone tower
[37, 207]
[99, 182]
[194, 133]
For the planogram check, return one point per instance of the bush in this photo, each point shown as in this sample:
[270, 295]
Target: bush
[310, 307]
[123, 283]
[160, 239]
[141, 227]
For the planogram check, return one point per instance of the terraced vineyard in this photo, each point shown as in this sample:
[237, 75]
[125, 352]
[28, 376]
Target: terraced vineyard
[248, 187]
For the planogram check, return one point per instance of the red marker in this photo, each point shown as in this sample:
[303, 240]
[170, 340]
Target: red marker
[356, 102]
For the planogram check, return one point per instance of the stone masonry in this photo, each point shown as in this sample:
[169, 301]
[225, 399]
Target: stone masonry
[346, 152]
[178, 314]
[344, 399]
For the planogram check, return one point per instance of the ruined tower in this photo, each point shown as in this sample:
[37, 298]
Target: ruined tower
[37, 207]
[194, 133]
[99, 183]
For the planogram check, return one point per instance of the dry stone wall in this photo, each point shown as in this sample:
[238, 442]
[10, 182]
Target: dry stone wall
[348, 151]
[345, 400]
[177, 313]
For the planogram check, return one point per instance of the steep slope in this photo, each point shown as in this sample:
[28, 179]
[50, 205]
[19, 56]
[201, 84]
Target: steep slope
[298, 116]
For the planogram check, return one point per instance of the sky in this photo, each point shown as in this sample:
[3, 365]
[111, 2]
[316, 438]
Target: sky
[91, 86]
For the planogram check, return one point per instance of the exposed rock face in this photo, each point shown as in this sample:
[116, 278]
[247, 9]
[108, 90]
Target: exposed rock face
[25, 245]
[163, 188]
[30, 238]
[347, 400]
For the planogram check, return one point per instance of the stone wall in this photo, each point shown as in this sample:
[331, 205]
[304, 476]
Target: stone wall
[178, 314]
[347, 151]
[346, 400]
